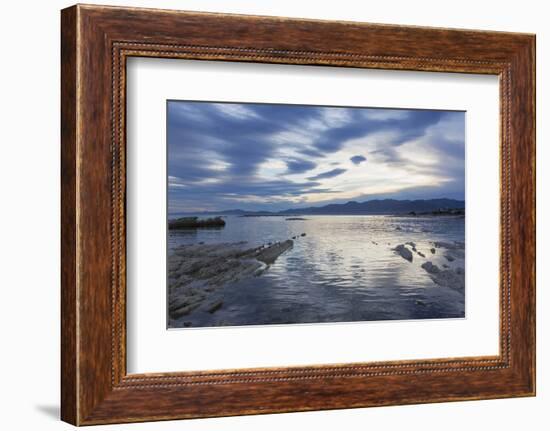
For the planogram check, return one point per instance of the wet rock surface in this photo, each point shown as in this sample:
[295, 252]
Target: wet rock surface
[446, 276]
[195, 223]
[345, 269]
[404, 252]
[196, 271]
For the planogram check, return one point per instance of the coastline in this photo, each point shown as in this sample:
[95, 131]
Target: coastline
[204, 277]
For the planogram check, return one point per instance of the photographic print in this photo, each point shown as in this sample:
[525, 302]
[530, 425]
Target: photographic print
[287, 214]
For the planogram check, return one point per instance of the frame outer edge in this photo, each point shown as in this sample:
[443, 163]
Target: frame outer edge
[532, 101]
[69, 202]
[87, 397]
[533, 53]
[523, 216]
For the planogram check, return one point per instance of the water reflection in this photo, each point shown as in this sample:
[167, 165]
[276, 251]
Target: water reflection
[344, 269]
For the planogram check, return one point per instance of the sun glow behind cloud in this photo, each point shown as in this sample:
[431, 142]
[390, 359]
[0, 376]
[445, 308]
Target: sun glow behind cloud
[272, 157]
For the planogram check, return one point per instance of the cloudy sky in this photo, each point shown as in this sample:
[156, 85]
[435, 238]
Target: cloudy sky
[273, 157]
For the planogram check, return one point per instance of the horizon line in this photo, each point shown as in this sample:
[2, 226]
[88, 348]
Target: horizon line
[312, 206]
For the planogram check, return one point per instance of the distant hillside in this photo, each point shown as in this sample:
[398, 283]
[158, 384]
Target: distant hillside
[380, 206]
[376, 206]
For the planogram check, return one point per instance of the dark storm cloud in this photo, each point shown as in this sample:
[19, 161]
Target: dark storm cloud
[219, 153]
[328, 174]
[299, 166]
[411, 126]
[356, 160]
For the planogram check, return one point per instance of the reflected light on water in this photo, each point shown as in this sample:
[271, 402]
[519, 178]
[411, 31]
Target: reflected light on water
[343, 270]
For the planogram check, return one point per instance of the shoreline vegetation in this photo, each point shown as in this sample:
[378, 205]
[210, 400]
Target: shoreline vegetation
[198, 272]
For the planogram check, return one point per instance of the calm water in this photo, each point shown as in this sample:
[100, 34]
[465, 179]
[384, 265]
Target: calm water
[343, 270]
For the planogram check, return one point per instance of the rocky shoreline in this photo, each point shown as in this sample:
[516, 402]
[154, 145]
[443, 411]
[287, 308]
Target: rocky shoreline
[196, 271]
[445, 276]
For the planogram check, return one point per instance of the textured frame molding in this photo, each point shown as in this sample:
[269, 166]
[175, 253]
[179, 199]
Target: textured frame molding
[96, 41]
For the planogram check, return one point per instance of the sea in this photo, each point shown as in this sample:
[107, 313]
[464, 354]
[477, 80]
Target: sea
[343, 270]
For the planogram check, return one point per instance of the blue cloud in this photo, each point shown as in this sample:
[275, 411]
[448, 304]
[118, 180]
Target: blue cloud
[299, 166]
[217, 152]
[328, 174]
[356, 160]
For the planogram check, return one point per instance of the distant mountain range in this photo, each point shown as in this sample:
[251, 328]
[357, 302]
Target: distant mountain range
[376, 206]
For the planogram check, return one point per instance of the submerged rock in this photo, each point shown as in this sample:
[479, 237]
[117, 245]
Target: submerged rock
[412, 244]
[454, 250]
[455, 245]
[270, 254]
[445, 277]
[449, 257]
[404, 252]
[430, 267]
[212, 308]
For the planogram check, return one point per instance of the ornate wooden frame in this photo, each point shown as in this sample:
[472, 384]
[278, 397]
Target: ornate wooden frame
[95, 42]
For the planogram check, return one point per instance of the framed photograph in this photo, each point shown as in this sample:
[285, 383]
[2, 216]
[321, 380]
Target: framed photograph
[263, 214]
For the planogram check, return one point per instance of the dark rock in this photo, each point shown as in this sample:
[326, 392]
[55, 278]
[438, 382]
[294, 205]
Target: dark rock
[195, 222]
[270, 254]
[175, 313]
[446, 277]
[212, 308]
[430, 267]
[404, 252]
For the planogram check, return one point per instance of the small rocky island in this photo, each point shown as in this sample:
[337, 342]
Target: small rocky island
[195, 222]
